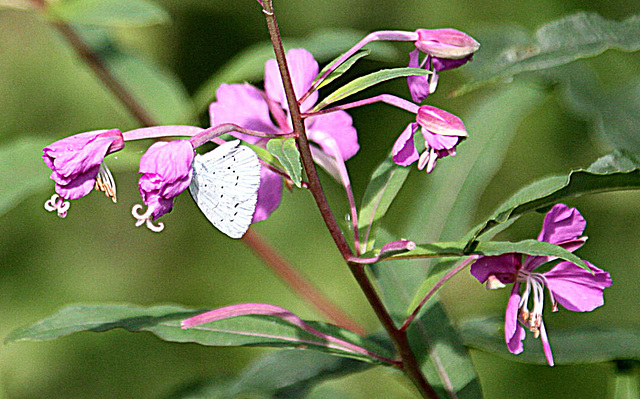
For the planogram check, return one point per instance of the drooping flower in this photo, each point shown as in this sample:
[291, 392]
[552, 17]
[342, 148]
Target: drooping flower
[77, 166]
[568, 284]
[441, 131]
[252, 108]
[166, 170]
[444, 49]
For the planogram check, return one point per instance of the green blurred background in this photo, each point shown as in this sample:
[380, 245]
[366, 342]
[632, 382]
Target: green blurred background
[97, 255]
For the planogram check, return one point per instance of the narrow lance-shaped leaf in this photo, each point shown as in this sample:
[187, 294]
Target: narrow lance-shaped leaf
[367, 81]
[288, 155]
[602, 176]
[385, 183]
[164, 321]
[570, 346]
[442, 357]
[339, 71]
[491, 248]
[559, 42]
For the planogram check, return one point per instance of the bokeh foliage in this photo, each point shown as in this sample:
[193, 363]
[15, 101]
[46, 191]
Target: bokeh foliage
[97, 255]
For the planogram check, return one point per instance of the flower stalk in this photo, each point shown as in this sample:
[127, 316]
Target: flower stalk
[410, 364]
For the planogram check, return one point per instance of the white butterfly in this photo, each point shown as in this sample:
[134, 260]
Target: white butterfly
[225, 186]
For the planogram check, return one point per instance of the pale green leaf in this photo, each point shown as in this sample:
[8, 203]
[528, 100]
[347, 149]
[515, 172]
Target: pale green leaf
[581, 35]
[164, 321]
[385, 183]
[364, 82]
[339, 71]
[585, 344]
[288, 155]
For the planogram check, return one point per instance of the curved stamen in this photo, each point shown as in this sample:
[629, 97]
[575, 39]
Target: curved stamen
[105, 182]
[146, 218]
[58, 204]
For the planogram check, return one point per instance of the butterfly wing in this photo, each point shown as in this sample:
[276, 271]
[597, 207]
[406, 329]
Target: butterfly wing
[225, 186]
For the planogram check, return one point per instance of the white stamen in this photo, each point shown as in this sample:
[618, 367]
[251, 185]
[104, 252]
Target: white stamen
[424, 159]
[105, 182]
[146, 218]
[534, 285]
[432, 161]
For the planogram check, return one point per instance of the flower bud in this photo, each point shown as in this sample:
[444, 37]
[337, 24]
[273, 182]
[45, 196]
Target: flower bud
[446, 43]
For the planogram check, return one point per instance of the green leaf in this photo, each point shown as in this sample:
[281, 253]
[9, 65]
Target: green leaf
[339, 71]
[288, 155]
[158, 91]
[546, 192]
[367, 81]
[22, 171]
[112, 13]
[293, 373]
[164, 321]
[581, 345]
[385, 183]
[559, 42]
[248, 65]
[442, 357]
[491, 248]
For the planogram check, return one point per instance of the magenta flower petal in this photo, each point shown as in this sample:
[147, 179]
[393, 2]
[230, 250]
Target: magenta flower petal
[575, 288]
[75, 160]
[303, 69]
[562, 224]
[404, 151]
[337, 125]
[243, 105]
[503, 267]
[269, 194]
[439, 142]
[440, 122]
[446, 43]
[545, 345]
[419, 86]
[166, 170]
[514, 333]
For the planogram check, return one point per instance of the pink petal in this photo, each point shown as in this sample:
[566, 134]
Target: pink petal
[404, 151]
[337, 125]
[269, 194]
[575, 288]
[562, 224]
[80, 186]
[438, 121]
[439, 142]
[446, 43]
[514, 333]
[503, 267]
[245, 106]
[303, 69]
[419, 84]
[545, 345]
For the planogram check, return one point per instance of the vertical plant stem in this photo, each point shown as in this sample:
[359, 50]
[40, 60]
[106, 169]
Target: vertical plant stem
[410, 364]
[281, 267]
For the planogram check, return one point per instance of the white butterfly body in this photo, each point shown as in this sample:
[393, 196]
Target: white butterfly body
[225, 186]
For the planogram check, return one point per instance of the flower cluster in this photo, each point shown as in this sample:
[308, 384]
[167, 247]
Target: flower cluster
[77, 162]
[573, 287]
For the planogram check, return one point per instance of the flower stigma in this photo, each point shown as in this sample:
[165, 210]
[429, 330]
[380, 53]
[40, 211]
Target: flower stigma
[146, 218]
[57, 203]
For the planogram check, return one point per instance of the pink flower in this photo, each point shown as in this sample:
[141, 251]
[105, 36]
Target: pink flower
[441, 131]
[445, 49]
[252, 108]
[166, 170]
[569, 285]
[77, 166]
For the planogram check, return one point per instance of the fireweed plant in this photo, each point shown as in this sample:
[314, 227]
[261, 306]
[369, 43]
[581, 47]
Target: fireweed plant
[292, 129]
